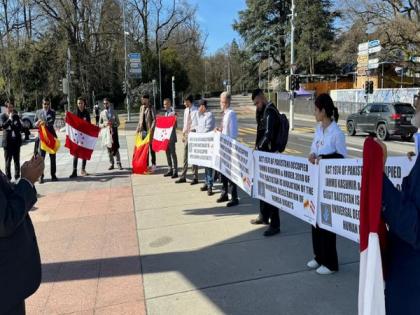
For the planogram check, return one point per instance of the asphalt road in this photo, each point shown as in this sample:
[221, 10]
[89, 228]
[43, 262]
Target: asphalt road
[300, 138]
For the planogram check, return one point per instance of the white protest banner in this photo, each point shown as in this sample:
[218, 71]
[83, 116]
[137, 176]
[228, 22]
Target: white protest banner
[339, 192]
[339, 196]
[236, 162]
[287, 182]
[201, 149]
[417, 143]
[216, 156]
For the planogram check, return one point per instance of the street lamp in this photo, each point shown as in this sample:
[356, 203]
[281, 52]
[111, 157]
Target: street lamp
[127, 97]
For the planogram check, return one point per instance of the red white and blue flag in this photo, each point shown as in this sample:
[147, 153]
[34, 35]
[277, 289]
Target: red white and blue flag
[162, 133]
[81, 136]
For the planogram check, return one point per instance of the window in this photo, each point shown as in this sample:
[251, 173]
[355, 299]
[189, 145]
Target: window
[376, 108]
[385, 108]
[404, 109]
[366, 110]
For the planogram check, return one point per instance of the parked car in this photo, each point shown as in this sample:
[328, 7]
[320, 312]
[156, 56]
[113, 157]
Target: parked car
[384, 120]
[28, 119]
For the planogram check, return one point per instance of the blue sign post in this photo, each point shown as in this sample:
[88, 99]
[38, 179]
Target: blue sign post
[135, 65]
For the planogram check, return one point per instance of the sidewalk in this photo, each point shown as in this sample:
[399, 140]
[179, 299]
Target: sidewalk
[116, 243]
[199, 257]
[87, 238]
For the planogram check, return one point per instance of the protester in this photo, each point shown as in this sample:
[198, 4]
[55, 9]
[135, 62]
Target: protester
[109, 119]
[147, 123]
[329, 142]
[269, 130]
[401, 212]
[97, 112]
[83, 113]
[171, 151]
[46, 116]
[229, 127]
[12, 138]
[206, 123]
[190, 125]
[20, 263]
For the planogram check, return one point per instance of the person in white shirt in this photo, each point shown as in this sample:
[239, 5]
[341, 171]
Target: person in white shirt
[228, 127]
[329, 143]
[171, 156]
[206, 123]
[190, 125]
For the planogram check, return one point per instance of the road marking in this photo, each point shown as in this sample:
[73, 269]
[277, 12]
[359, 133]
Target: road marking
[354, 149]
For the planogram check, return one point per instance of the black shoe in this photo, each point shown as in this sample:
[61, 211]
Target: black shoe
[41, 180]
[194, 181]
[210, 191]
[271, 231]
[54, 178]
[120, 167]
[232, 203]
[170, 173]
[258, 221]
[175, 175]
[222, 198]
[204, 188]
[73, 175]
[111, 167]
[181, 180]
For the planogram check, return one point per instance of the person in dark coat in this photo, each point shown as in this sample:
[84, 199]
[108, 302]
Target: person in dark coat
[46, 115]
[83, 113]
[20, 263]
[401, 212]
[12, 138]
[267, 131]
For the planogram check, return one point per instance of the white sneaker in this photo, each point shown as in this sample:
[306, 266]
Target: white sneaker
[324, 271]
[313, 264]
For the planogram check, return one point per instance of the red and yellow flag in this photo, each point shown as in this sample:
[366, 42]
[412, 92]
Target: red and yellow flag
[141, 154]
[48, 142]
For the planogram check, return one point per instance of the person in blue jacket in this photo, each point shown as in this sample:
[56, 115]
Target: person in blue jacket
[401, 212]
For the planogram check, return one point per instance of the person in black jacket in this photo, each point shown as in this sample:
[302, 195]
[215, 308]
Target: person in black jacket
[12, 138]
[46, 115]
[268, 129]
[20, 263]
[82, 113]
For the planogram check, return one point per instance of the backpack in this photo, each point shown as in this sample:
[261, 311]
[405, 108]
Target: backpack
[283, 132]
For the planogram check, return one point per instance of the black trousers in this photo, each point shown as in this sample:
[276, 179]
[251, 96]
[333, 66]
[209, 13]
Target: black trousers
[270, 214]
[152, 154]
[19, 309]
[9, 154]
[75, 161]
[225, 188]
[52, 162]
[325, 250]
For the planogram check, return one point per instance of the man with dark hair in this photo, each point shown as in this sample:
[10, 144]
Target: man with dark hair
[147, 123]
[46, 115]
[267, 131]
[20, 263]
[190, 125]
[109, 119]
[12, 138]
[82, 113]
[171, 156]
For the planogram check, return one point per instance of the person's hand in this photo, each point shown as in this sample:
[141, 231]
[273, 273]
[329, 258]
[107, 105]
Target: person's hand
[319, 158]
[32, 170]
[312, 158]
[410, 155]
[218, 129]
[384, 150]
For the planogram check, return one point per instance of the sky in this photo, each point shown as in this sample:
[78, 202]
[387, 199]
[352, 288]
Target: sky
[216, 18]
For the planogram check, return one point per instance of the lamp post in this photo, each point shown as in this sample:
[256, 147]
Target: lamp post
[127, 97]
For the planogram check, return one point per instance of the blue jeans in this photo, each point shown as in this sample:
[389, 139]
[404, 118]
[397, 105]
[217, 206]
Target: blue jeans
[209, 176]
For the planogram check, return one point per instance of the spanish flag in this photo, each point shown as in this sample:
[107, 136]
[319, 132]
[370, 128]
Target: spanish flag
[49, 143]
[141, 154]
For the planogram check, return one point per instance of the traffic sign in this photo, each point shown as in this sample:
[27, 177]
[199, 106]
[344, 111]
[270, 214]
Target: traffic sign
[374, 43]
[373, 65]
[363, 46]
[135, 70]
[375, 49]
[415, 59]
[135, 65]
[134, 57]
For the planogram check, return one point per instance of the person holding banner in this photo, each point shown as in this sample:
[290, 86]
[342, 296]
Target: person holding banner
[190, 125]
[206, 123]
[82, 113]
[329, 143]
[269, 128]
[171, 151]
[147, 123]
[401, 212]
[229, 127]
[46, 116]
